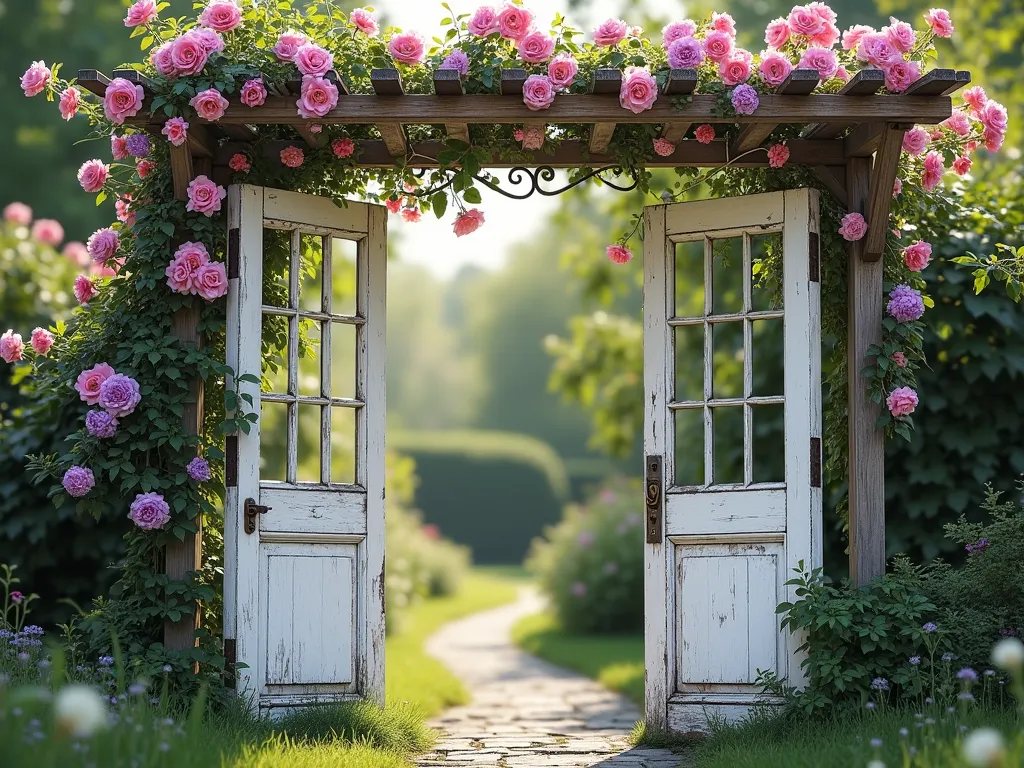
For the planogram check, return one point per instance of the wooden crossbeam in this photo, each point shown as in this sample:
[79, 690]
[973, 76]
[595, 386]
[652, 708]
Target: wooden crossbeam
[448, 82]
[863, 140]
[133, 76]
[605, 82]
[867, 82]
[938, 82]
[93, 81]
[834, 179]
[388, 82]
[511, 83]
[314, 140]
[883, 176]
[799, 83]
[680, 82]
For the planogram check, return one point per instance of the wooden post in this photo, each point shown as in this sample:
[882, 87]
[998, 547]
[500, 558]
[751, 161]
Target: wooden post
[866, 441]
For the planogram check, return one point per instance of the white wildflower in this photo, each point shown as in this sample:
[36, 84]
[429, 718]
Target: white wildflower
[79, 710]
[1009, 654]
[984, 748]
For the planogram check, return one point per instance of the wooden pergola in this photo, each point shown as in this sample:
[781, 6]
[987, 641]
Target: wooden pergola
[851, 139]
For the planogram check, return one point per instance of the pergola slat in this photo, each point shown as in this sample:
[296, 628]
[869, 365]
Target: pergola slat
[939, 82]
[448, 82]
[863, 140]
[388, 83]
[681, 82]
[511, 82]
[605, 82]
[834, 179]
[133, 77]
[883, 176]
[867, 82]
[93, 81]
[799, 83]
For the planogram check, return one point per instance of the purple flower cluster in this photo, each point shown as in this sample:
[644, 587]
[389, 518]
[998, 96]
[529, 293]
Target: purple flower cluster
[138, 145]
[457, 59]
[880, 684]
[100, 424]
[149, 511]
[199, 469]
[78, 481]
[978, 546]
[119, 394]
[744, 99]
[905, 304]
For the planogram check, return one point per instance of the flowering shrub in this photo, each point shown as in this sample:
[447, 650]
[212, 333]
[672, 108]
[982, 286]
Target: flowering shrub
[591, 564]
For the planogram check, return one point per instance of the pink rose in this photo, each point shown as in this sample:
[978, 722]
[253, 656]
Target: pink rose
[85, 289]
[538, 92]
[676, 30]
[119, 147]
[484, 21]
[514, 22]
[18, 213]
[343, 147]
[639, 90]
[141, 12]
[901, 74]
[899, 358]
[901, 35]
[189, 54]
[664, 147]
[93, 175]
[364, 22]
[48, 231]
[619, 254]
[293, 157]
[204, 196]
[723, 22]
[211, 281]
[718, 46]
[842, 74]
[411, 215]
[962, 166]
[853, 36]
[993, 117]
[288, 45]
[119, 395]
[975, 98]
[103, 245]
[993, 140]
[311, 59]
[468, 222]
[877, 51]
[916, 255]
[804, 21]
[821, 59]
[254, 93]
[778, 155]
[393, 204]
[77, 253]
[533, 137]
[221, 16]
[735, 69]
[897, 187]
[186, 262]
[933, 170]
[685, 53]
[209, 104]
[853, 227]
[774, 68]
[69, 103]
[161, 58]
[901, 402]
[35, 79]
[12, 348]
[827, 37]
[824, 12]
[407, 48]
[41, 341]
[777, 33]
[562, 70]
[536, 47]
[89, 382]
[705, 134]
[149, 511]
[319, 96]
[239, 163]
[122, 100]
[176, 131]
[938, 19]
[958, 122]
[915, 140]
[610, 33]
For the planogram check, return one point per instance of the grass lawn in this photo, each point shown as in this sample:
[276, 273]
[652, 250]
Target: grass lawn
[615, 661]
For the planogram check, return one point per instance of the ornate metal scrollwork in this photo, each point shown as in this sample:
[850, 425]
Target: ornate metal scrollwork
[534, 180]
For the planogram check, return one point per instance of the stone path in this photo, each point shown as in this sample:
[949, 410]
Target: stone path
[526, 713]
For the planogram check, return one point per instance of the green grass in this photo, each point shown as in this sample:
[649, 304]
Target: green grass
[421, 680]
[615, 661]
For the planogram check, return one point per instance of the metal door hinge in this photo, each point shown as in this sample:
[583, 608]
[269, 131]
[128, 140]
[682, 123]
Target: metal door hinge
[233, 255]
[654, 500]
[814, 257]
[231, 461]
[815, 462]
[251, 510]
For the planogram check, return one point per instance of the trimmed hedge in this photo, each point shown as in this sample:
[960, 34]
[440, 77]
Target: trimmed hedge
[493, 491]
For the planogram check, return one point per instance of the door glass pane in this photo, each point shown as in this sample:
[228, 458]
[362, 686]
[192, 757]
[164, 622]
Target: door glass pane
[689, 279]
[689, 352]
[343, 276]
[276, 255]
[689, 446]
[309, 444]
[727, 275]
[343, 445]
[767, 357]
[343, 360]
[728, 429]
[727, 340]
[275, 366]
[309, 358]
[766, 285]
[274, 441]
[311, 264]
[769, 449]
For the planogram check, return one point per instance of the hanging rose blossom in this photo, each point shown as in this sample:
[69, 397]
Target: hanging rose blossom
[916, 255]
[804, 21]
[777, 33]
[100, 424]
[12, 348]
[161, 59]
[853, 36]
[319, 96]
[993, 116]
[343, 147]
[407, 48]
[778, 155]
[199, 470]
[48, 231]
[70, 100]
[828, 36]
[933, 170]
[35, 79]
[900, 34]
[41, 340]
[958, 122]
[915, 141]
[181, 272]
[239, 163]
[18, 213]
[901, 402]
[141, 12]
[514, 21]
[209, 104]
[736, 69]
[536, 47]
[939, 21]
[639, 90]
[975, 98]
[119, 395]
[685, 53]
[364, 22]
[78, 481]
[705, 134]
[411, 215]
[204, 196]
[718, 46]
[899, 358]
[901, 74]
[468, 222]
[619, 254]
[254, 93]
[221, 15]
[393, 204]
[484, 21]
[149, 511]
[288, 44]
[538, 92]
[897, 188]
[144, 168]
[122, 100]
[820, 59]
[292, 156]
[774, 68]
[723, 22]
[211, 281]
[122, 206]
[562, 70]
[611, 33]
[664, 147]
[89, 382]
[962, 165]
[176, 131]
[677, 30]
[532, 137]
[853, 227]
[84, 289]
[744, 100]
[876, 49]
[189, 53]
[103, 244]
[311, 59]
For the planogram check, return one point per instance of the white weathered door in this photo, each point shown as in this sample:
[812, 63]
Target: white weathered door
[732, 432]
[304, 578]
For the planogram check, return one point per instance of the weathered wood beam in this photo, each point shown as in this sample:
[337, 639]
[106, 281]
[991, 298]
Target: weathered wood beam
[511, 84]
[938, 82]
[834, 179]
[680, 82]
[866, 442]
[867, 82]
[132, 76]
[863, 140]
[605, 82]
[93, 81]
[448, 82]
[388, 83]
[200, 143]
[314, 140]
[799, 83]
[883, 176]
[182, 170]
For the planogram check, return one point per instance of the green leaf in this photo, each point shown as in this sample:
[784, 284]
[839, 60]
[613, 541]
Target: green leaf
[439, 203]
[472, 195]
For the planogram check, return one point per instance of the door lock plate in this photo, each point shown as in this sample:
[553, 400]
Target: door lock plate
[252, 509]
[654, 500]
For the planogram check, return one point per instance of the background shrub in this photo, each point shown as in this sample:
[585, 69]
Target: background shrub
[591, 564]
